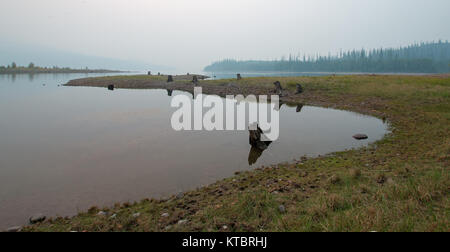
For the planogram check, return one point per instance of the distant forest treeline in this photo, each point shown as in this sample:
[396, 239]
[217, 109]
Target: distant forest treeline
[13, 68]
[431, 57]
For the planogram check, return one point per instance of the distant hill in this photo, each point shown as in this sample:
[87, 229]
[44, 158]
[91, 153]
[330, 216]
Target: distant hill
[43, 56]
[418, 58]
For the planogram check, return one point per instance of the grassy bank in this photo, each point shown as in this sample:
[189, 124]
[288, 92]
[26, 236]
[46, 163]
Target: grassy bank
[401, 183]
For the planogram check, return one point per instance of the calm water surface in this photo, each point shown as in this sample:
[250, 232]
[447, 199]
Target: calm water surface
[64, 149]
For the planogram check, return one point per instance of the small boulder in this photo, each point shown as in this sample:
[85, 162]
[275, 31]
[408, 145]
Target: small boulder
[110, 87]
[136, 215]
[239, 77]
[37, 218]
[169, 78]
[165, 215]
[360, 136]
[182, 222]
[101, 213]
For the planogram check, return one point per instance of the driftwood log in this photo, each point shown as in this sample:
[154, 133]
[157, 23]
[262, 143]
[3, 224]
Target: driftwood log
[169, 78]
[110, 87]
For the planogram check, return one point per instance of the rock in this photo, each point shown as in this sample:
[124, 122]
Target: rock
[110, 87]
[180, 195]
[360, 136]
[136, 215]
[149, 73]
[37, 218]
[14, 229]
[168, 227]
[113, 216]
[390, 181]
[282, 209]
[299, 89]
[101, 213]
[169, 78]
[381, 179]
[225, 227]
[239, 77]
[182, 222]
[165, 215]
[299, 108]
[195, 80]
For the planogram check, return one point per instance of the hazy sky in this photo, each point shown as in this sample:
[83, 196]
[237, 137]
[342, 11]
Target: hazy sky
[190, 34]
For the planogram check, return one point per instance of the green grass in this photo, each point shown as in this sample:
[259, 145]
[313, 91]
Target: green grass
[400, 183]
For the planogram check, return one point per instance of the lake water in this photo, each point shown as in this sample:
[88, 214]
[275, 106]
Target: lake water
[64, 149]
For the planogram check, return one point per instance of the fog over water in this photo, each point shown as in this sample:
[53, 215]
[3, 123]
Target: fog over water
[189, 35]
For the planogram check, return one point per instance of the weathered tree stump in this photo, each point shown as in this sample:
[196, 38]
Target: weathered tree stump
[278, 87]
[110, 87]
[239, 77]
[169, 78]
[299, 89]
[195, 79]
[255, 139]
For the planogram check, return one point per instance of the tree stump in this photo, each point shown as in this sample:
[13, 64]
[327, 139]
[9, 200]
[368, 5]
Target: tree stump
[255, 139]
[195, 80]
[169, 78]
[299, 89]
[278, 87]
[239, 77]
[110, 87]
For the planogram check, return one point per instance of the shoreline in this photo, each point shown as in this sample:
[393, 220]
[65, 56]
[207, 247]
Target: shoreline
[317, 189]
